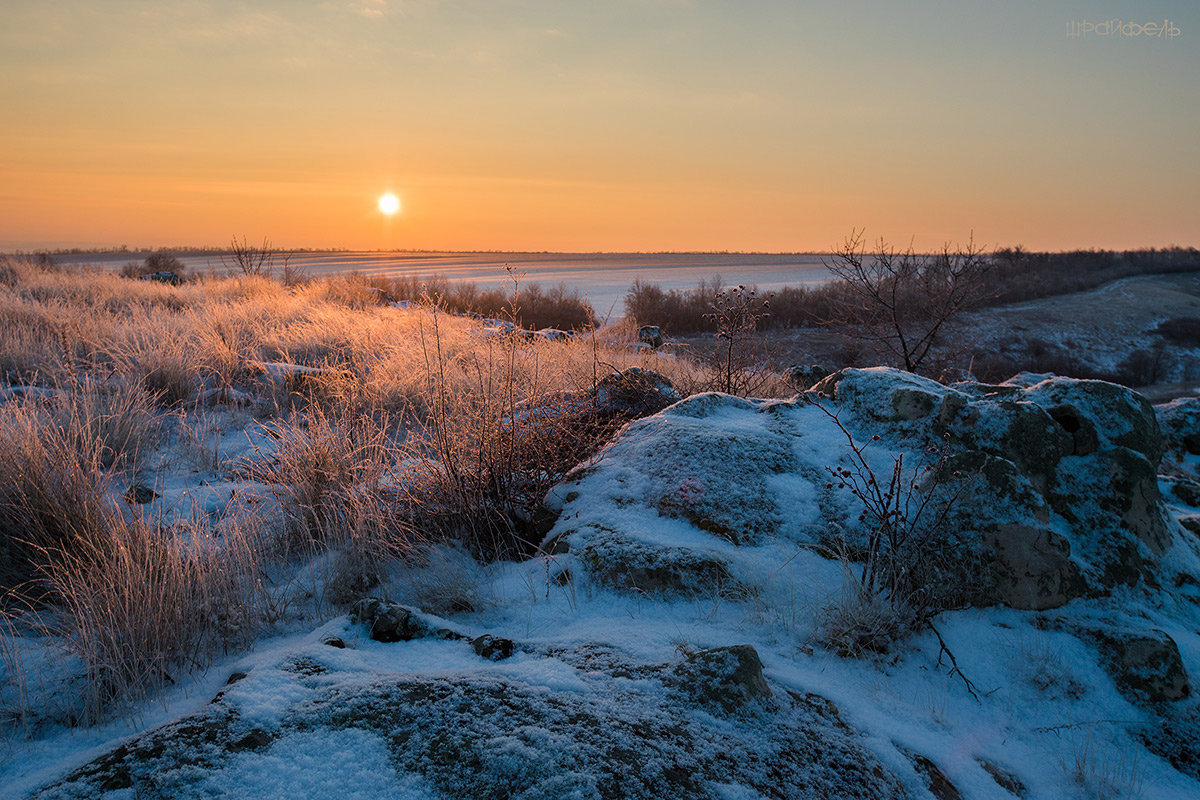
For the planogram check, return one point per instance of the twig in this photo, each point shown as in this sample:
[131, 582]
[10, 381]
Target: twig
[955, 670]
[1057, 729]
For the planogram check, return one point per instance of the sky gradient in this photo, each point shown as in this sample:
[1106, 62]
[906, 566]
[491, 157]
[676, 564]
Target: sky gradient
[620, 125]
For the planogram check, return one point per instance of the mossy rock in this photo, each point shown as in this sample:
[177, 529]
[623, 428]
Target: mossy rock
[1120, 416]
[1032, 568]
[621, 563]
[1144, 664]
[726, 678]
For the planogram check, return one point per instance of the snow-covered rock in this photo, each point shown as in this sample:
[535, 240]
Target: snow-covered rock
[1051, 490]
[579, 723]
[1180, 424]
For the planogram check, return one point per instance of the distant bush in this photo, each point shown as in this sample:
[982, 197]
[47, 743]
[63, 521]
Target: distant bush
[529, 305]
[683, 311]
[1182, 330]
[1021, 275]
[1143, 367]
[154, 263]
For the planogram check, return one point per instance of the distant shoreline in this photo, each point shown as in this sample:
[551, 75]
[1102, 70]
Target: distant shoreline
[109, 252]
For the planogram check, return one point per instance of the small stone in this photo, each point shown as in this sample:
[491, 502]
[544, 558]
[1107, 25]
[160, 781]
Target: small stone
[728, 678]
[493, 648]
[140, 494]
[390, 622]
[1004, 778]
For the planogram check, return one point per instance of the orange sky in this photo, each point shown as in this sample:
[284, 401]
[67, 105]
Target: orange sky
[623, 125]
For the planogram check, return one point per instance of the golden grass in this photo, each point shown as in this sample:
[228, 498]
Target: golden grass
[393, 427]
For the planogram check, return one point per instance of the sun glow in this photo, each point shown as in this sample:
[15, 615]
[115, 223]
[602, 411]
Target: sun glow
[389, 204]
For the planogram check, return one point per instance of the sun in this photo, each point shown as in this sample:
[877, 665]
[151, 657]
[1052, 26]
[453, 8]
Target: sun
[389, 204]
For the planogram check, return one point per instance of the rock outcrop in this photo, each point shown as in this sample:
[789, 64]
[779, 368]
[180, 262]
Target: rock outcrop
[1049, 491]
[623, 731]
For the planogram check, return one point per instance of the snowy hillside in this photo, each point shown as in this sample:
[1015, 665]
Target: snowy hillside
[701, 624]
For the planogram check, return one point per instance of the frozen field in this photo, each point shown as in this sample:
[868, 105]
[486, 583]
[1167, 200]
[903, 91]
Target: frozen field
[603, 277]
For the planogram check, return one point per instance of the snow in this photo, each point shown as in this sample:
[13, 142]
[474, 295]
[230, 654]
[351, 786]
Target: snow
[1042, 709]
[347, 764]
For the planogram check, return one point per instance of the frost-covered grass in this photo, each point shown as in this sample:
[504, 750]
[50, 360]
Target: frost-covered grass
[186, 468]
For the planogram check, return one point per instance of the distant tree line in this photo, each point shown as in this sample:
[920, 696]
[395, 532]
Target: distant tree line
[1013, 274]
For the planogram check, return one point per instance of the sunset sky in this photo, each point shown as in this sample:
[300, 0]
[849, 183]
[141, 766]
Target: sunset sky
[582, 125]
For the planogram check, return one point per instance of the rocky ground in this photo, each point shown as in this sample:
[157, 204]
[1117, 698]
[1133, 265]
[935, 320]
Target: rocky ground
[702, 623]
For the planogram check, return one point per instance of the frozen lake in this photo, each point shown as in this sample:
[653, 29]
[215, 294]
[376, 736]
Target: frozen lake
[604, 278]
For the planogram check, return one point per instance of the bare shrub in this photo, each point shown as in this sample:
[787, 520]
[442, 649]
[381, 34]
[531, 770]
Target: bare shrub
[736, 314]
[1143, 367]
[910, 570]
[255, 260]
[901, 301]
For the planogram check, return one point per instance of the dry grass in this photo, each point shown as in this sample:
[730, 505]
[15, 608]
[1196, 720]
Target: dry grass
[445, 580]
[131, 601]
[137, 603]
[857, 622]
[118, 417]
[329, 476]
[399, 426]
[50, 481]
[496, 437]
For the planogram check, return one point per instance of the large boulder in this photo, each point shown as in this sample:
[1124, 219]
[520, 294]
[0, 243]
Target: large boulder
[1045, 493]
[1032, 567]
